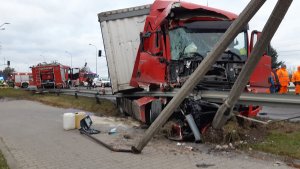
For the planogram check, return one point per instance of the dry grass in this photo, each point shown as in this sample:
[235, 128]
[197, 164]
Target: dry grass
[3, 164]
[105, 107]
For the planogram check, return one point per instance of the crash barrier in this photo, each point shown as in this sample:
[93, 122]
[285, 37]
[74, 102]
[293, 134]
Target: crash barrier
[260, 99]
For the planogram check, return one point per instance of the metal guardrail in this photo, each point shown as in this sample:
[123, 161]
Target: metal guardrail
[273, 100]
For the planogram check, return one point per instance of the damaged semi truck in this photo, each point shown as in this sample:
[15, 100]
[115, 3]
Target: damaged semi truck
[152, 50]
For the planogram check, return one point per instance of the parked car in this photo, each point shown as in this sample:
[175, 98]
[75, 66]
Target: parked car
[105, 82]
[97, 82]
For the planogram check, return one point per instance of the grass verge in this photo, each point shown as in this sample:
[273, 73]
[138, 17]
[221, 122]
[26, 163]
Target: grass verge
[282, 139]
[278, 138]
[105, 107]
[3, 163]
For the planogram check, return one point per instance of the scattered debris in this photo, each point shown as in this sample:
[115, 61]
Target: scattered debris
[203, 165]
[180, 144]
[112, 131]
[263, 113]
[127, 136]
[277, 163]
[218, 147]
[189, 148]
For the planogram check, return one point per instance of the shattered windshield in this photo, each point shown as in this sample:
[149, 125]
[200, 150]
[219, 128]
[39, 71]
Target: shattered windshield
[185, 41]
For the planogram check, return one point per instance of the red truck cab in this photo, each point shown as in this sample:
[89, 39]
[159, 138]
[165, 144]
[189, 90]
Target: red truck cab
[178, 35]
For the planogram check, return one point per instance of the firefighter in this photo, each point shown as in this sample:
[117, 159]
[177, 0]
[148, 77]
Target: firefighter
[296, 81]
[284, 79]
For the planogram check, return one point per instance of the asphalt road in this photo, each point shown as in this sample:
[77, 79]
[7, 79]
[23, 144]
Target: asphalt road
[280, 113]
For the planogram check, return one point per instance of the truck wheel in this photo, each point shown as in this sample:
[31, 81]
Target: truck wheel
[119, 105]
[25, 85]
[155, 110]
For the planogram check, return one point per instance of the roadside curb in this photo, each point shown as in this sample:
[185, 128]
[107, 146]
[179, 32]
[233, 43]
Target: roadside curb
[10, 159]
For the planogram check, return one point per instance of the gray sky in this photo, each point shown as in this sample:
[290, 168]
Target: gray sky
[42, 30]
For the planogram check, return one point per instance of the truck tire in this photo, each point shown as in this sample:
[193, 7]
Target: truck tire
[25, 85]
[119, 105]
[155, 110]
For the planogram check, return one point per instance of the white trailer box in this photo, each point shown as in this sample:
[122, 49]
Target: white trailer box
[120, 32]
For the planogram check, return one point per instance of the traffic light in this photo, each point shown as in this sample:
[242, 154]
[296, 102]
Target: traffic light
[99, 53]
[8, 63]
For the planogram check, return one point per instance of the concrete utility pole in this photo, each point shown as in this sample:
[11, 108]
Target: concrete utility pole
[200, 72]
[224, 111]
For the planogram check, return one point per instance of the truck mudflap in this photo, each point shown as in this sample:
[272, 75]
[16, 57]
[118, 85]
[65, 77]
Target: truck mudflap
[140, 109]
[252, 111]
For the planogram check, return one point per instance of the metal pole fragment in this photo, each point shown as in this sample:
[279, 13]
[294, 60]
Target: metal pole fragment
[277, 15]
[200, 72]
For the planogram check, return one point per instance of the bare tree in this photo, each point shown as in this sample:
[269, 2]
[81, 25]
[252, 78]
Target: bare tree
[274, 55]
[7, 72]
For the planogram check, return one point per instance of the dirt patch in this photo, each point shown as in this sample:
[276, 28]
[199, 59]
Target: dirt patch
[286, 127]
[236, 132]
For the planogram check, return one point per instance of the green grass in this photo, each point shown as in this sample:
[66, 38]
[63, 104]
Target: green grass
[281, 143]
[13, 93]
[105, 107]
[3, 164]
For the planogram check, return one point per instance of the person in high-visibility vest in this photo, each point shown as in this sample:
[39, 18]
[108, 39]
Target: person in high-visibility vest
[296, 81]
[284, 79]
[274, 82]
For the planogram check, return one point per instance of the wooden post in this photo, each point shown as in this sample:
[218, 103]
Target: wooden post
[268, 32]
[200, 72]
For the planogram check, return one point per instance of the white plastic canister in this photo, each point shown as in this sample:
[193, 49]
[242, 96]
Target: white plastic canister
[69, 121]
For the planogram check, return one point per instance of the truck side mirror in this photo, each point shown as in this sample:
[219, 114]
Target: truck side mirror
[99, 53]
[255, 35]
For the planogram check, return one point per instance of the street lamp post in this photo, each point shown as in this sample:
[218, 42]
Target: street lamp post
[6, 23]
[96, 57]
[71, 57]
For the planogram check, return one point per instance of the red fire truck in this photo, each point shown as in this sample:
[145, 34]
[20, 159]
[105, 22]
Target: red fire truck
[22, 79]
[50, 75]
[79, 76]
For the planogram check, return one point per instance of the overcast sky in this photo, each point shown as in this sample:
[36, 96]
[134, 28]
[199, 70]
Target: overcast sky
[43, 30]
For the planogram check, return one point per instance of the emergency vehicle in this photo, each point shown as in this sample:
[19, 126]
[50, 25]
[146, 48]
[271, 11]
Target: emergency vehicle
[50, 75]
[22, 79]
[78, 76]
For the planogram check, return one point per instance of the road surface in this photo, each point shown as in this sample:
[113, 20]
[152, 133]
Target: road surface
[280, 113]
